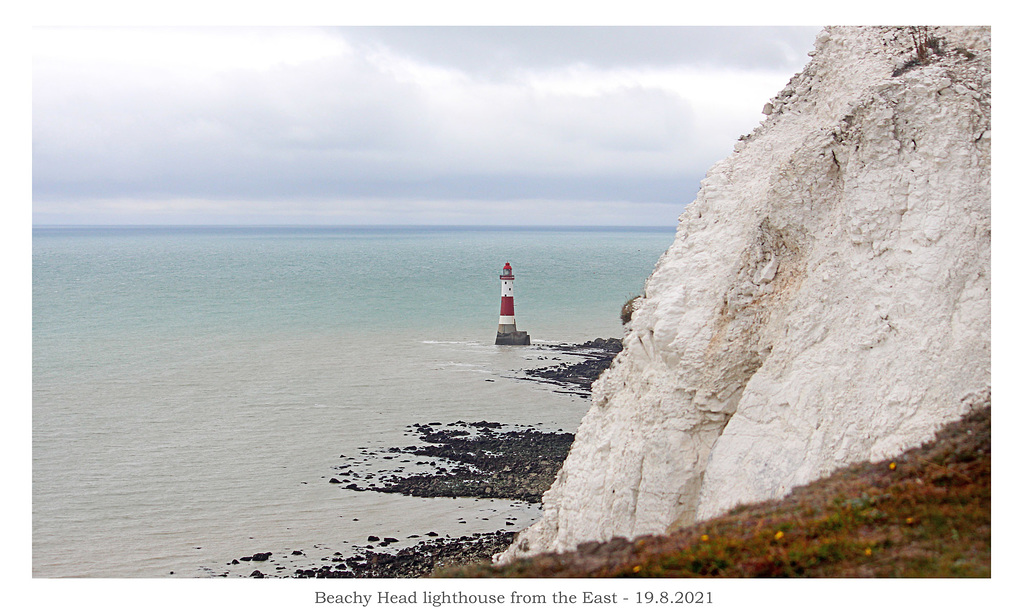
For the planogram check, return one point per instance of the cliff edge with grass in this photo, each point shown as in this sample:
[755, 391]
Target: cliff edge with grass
[826, 300]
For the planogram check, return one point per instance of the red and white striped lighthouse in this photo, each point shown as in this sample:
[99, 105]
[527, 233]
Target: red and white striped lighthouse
[507, 333]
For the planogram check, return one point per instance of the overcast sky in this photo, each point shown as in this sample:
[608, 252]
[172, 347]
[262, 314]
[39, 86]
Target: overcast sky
[392, 125]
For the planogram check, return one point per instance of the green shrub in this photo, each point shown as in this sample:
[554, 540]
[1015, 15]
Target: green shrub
[626, 314]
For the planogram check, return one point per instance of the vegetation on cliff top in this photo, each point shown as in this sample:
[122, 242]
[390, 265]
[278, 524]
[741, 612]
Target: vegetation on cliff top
[925, 513]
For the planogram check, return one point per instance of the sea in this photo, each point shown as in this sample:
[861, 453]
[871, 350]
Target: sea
[193, 388]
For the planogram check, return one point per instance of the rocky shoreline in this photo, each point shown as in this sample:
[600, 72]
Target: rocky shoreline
[478, 459]
[578, 377]
[419, 560]
[461, 459]
[482, 459]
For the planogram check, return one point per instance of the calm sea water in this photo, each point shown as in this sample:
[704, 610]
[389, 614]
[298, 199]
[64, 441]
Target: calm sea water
[194, 387]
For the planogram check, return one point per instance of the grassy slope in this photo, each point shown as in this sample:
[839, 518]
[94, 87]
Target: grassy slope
[925, 513]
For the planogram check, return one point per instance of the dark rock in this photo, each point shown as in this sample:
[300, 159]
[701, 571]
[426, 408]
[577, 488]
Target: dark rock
[496, 462]
[416, 561]
[599, 354]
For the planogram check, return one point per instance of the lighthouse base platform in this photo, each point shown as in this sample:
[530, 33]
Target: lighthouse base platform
[513, 338]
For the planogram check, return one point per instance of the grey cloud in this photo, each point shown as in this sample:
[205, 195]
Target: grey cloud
[297, 131]
[348, 127]
[499, 49]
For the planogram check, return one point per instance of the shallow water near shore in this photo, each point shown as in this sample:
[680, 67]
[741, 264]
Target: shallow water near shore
[194, 387]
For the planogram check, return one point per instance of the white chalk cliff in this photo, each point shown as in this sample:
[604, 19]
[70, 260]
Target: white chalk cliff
[826, 299]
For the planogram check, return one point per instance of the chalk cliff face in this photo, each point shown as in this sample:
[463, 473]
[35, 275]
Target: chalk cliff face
[826, 299]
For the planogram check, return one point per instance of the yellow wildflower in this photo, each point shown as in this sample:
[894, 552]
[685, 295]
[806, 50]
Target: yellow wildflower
[704, 537]
[892, 466]
[636, 569]
[778, 535]
[867, 552]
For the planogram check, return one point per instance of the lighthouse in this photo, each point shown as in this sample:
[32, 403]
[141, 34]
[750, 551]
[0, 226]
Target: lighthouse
[507, 333]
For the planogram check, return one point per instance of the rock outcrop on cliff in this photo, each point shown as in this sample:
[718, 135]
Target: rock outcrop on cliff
[826, 299]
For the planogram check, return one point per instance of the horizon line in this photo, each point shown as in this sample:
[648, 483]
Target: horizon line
[337, 226]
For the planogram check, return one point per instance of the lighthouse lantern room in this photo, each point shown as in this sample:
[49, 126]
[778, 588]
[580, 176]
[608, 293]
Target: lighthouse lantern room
[507, 333]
